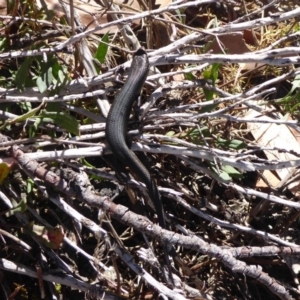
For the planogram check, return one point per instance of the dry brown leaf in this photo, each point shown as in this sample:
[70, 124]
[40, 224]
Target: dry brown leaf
[232, 43]
[278, 136]
[87, 18]
[251, 36]
[161, 33]
[163, 3]
[235, 43]
[3, 7]
[177, 77]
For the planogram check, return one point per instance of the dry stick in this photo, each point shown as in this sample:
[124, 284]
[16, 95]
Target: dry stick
[66, 279]
[32, 168]
[18, 241]
[219, 30]
[173, 112]
[80, 88]
[126, 257]
[195, 151]
[56, 98]
[82, 190]
[265, 58]
[70, 281]
[248, 251]
[85, 56]
[174, 150]
[175, 195]
[226, 224]
[85, 34]
[125, 29]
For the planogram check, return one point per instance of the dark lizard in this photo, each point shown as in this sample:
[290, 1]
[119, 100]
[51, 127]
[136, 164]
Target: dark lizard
[116, 132]
[116, 128]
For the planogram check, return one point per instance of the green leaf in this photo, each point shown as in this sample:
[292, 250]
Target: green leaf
[86, 163]
[30, 185]
[170, 133]
[41, 84]
[296, 84]
[22, 73]
[48, 73]
[102, 51]
[232, 172]
[189, 76]
[59, 72]
[25, 106]
[61, 76]
[91, 176]
[23, 117]
[195, 136]
[45, 79]
[225, 176]
[21, 207]
[32, 130]
[55, 68]
[3, 42]
[211, 73]
[215, 72]
[207, 108]
[61, 119]
[53, 106]
[181, 16]
[221, 173]
[233, 144]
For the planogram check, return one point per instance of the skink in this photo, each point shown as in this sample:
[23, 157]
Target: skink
[116, 128]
